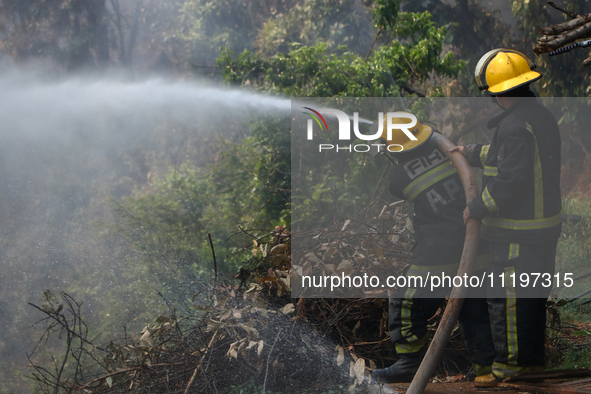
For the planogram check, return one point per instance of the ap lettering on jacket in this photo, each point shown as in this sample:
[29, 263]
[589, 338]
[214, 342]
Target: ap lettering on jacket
[451, 187]
[416, 167]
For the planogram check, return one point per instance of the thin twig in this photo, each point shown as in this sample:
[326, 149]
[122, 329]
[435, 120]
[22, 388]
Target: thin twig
[386, 167]
[215, 263]
[583, 276]
[67, 329]
[268, 360]
[172, 313]
[249, 234]
[571, 14]
[372, 44]
[198, 365]
[580, 295]
[42, 371]
[246, 232]
[125, 371]
[192, 379]
[249, 247]
[66, 355]
[108, 375]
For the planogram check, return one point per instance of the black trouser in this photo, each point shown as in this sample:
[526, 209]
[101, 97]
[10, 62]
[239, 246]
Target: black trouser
[518, 312]
[476, 329]
[410, 310]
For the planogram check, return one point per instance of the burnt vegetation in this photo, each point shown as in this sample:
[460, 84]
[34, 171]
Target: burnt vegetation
[125, 236]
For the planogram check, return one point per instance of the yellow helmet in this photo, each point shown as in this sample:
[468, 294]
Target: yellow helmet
[502, 70]
[421, 132]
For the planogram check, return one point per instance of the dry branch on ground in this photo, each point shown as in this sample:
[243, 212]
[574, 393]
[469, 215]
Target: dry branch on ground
[256, 336]
[557, 36]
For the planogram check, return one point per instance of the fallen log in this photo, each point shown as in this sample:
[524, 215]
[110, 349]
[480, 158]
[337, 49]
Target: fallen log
[563, 39]
[565, 26]
[554, 37]
[557, 374]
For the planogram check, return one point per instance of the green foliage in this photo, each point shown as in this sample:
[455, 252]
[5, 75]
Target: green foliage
[574, 246]
[573, 256]
[305, 71]
[572, 321]
[293, 48]
[164, 225]
[335, 23]
[76, 35]
[576, 356]
[339, 190]
[42, 27]
[385, 13]
[248, 185]
[272, 180]
[311, 71]
[472, 30]
[574, 312]
[250, 182]
[209, 25]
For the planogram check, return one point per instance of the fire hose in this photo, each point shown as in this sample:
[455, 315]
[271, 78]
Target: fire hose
[582, 44]
[456, 299]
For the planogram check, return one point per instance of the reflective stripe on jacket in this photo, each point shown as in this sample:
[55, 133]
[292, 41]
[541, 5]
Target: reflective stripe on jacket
[520, 199]
[427, 179]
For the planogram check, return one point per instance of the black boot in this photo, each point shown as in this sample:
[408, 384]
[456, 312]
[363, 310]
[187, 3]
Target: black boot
[402, 371]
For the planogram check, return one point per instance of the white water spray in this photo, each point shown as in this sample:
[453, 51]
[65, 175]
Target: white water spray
[40, 109]
[66, 145]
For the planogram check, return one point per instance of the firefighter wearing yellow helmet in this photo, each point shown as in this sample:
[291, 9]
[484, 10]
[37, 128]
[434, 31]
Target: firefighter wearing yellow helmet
[424, 176]
[503, 70]
[520, 207]
[405, 138]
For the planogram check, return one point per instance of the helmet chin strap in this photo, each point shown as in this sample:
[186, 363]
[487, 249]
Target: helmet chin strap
[495, 99]
[498, 103]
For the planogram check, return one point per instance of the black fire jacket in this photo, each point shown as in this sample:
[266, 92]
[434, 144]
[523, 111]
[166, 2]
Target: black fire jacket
[429, 180]
[520, 200]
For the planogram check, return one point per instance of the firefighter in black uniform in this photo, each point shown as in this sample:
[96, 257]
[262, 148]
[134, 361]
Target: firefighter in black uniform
[520, 208]
[425, 176]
